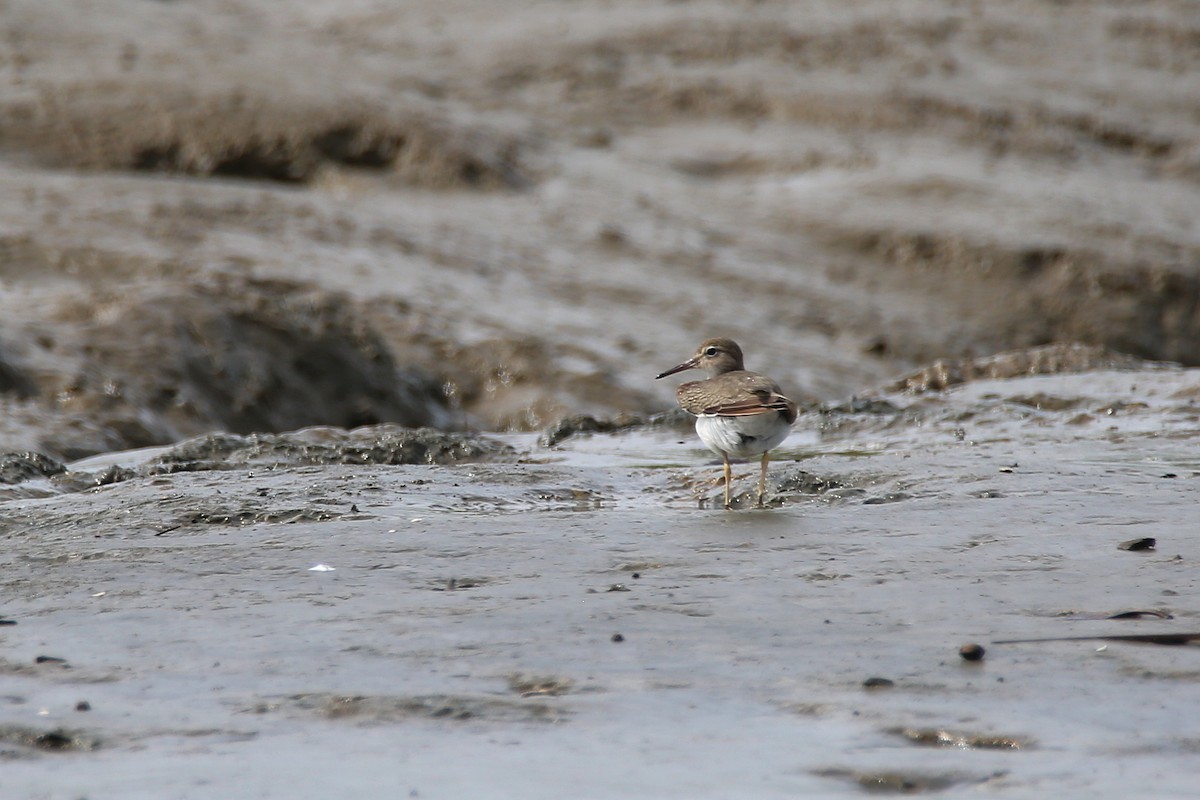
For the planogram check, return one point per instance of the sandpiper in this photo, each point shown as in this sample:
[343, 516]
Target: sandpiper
[739, 414]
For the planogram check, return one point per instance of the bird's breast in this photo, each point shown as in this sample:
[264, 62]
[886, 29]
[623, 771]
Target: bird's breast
[742, 437]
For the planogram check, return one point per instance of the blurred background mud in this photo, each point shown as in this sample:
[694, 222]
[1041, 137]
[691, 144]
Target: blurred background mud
[247, 215]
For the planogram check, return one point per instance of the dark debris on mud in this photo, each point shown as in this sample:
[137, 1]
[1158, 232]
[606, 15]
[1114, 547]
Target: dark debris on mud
[540, 685]
[52, 740]
[389, 708]
[941, 737]
[20, 467]
[801, 482]
[568, 427]
[903, 782]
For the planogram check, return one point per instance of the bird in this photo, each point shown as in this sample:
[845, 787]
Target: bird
[739, 414]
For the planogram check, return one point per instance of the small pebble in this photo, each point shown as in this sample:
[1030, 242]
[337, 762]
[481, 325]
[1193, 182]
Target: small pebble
[1145, 543]
[53, 740]
[878, 683]
[972, 652]
[616, 637]
[83, 705]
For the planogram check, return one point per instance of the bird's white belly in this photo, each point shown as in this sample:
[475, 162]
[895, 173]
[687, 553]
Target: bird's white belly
[742, 437]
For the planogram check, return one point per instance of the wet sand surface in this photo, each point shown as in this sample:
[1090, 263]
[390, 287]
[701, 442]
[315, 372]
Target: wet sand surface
[582, 621]
[382, 287]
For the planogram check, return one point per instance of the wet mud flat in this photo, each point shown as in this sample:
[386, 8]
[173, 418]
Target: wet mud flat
[577, 620]
[251, 216]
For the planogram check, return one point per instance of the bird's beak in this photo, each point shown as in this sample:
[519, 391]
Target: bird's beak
[689, 364]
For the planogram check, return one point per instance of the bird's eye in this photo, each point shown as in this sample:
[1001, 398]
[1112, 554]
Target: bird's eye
[712, 351]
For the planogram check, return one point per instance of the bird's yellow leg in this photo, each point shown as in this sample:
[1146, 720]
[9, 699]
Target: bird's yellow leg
[728, 480]
[762, 480]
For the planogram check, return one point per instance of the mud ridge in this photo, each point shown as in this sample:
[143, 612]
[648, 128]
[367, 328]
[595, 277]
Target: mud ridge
[375, 444]
[234, 354]
[235, 134]
[1056, 359]
[1147, 305]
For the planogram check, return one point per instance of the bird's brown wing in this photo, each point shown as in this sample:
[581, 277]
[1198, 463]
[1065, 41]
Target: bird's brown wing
[762, 402]
[735, 394]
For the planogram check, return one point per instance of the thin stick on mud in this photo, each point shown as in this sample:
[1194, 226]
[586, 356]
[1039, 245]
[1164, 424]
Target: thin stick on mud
[1151, 638]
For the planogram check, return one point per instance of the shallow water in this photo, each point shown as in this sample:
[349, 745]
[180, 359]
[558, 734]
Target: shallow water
[463, 642]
